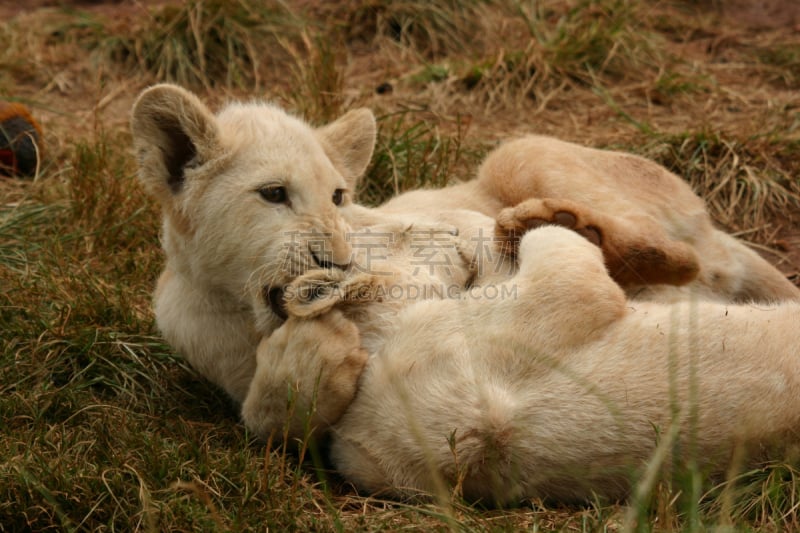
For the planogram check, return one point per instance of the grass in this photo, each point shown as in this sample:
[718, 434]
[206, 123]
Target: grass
[105, 428]
[206, 43]
[411, 154]
[730, 171]
[431, 29]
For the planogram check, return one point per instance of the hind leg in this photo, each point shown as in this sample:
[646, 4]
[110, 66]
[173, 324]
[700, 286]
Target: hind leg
[636, 252]
[563, 295]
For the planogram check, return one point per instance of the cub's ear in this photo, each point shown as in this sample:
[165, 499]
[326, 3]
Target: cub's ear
[172, 130]
[349, 142]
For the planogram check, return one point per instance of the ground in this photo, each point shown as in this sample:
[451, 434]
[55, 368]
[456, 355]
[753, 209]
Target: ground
[106, 427]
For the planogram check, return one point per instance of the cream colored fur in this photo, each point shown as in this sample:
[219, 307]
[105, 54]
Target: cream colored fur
[562, 390]
[637, 203]
[317, 362]
[220, 239]
[225, 242]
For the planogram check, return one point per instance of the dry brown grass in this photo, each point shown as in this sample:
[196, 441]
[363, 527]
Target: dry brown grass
[105, 428]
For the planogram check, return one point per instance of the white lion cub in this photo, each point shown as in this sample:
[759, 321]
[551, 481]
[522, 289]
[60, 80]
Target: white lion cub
[250, 197]
[560, 389]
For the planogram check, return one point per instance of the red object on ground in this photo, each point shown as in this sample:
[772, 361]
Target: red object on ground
[20, 140]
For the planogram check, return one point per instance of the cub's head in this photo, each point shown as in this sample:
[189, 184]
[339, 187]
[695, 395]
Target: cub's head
[252, 197]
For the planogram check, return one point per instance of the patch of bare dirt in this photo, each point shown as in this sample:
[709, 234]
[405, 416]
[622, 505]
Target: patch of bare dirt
[12, 8]
[760, 14]
[787, 251]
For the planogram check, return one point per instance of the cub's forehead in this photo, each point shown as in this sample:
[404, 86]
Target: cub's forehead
[273, 143]
[257, 127]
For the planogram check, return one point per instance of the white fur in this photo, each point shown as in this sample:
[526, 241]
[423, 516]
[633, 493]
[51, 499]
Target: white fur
[560, 389]
[563, 377]
[222, 242]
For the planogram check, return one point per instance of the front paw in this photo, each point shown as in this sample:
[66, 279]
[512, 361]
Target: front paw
[344, 361]
[307, 375]
[318, 292]
[513, 222]
[313, 293]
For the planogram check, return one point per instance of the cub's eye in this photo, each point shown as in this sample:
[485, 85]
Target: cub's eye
[338, 196]
[274, 194]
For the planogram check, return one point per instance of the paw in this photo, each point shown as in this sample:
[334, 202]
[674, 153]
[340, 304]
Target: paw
[343, 360]
[302, 347]
[513, 222]
[643, 263]
[318, 363]
[320, 291]
[313, 293]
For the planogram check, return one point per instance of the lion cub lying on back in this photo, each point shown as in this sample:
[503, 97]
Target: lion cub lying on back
[560, 389]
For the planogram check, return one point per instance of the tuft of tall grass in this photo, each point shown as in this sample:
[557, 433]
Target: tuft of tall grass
[596, 38]
[764, 497]
[554, 45]
[783, 62]
[201, 42]
[317, 88]
[431, 29]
